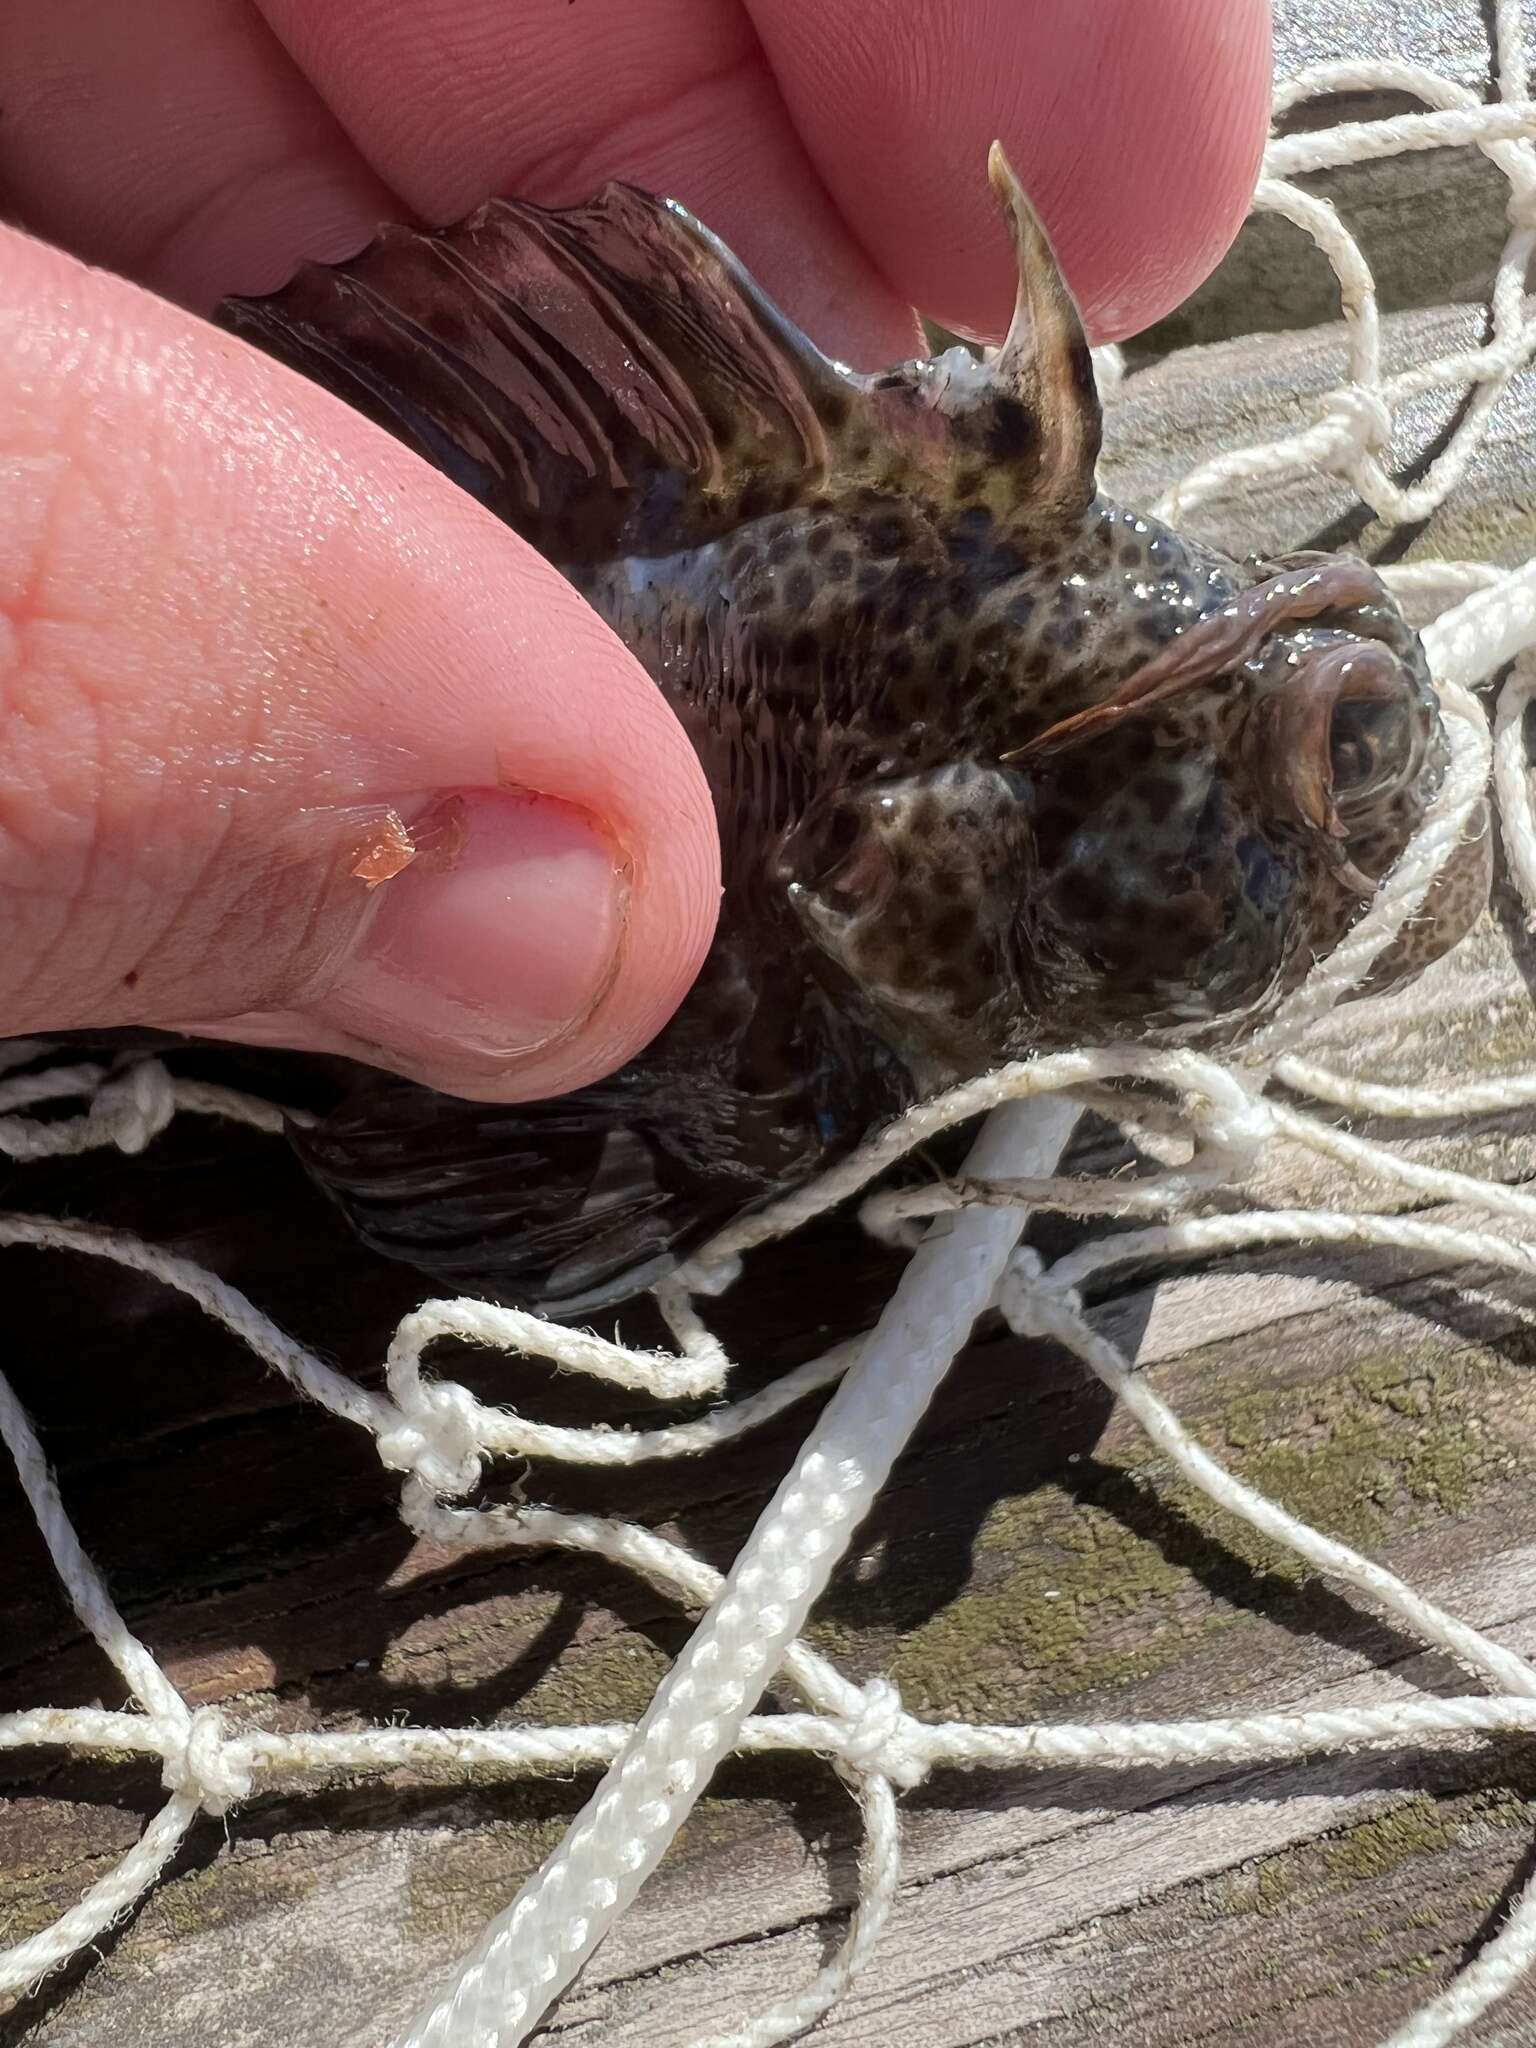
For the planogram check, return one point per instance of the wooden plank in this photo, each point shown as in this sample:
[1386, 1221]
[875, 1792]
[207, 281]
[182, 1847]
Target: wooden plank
[1400, 208]
[1020, 1890]
[1448, 36]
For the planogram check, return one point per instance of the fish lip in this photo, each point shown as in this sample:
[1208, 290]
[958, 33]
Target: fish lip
[1222, 640]
[1292, 654]
[1289, 745]
[1288, 740]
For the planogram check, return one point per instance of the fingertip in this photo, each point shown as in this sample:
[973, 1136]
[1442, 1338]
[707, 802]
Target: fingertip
[1136, 126]
[526, 936]
[1179, 143]
[516, 950]
[589, 886]
[667, 876]
[568, 882]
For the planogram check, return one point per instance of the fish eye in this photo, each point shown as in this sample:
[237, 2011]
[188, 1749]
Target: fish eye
[1370, 748]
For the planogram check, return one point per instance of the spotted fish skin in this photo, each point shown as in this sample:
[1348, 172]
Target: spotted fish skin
[997, 764]
[888, 643]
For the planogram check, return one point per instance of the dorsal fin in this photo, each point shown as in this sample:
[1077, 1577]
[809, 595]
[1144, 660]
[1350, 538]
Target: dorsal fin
[606, 377]
[609, 380]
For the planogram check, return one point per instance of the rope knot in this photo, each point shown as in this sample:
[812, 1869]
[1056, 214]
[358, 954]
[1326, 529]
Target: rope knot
[1031, 1302]
[136, 1105]
[204, 1767]
[879, 1737]
[1361, 417]
[436, 1440]
[1238, 1122]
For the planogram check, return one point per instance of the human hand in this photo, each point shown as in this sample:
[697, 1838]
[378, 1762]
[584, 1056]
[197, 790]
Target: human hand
[239, 625]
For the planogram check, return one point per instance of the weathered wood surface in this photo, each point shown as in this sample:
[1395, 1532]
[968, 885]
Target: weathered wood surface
[1430, 222]
[1032, 1558]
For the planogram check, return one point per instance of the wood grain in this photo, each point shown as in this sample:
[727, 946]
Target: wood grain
[1430, 222]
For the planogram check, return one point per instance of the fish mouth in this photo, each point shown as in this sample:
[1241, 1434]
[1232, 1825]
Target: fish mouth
[1351, 728]
[1337, 745]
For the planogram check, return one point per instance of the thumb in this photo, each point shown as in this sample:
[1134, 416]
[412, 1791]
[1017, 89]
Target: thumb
[297, 744]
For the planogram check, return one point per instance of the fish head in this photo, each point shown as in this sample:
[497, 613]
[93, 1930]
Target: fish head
[1158, 846]
[1212, 825]
[1180, 779]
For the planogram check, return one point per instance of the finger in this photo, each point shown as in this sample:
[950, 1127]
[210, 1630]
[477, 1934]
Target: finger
[252, 171]
[178, 143]
[290, 728]
[450, 100]
[1136, 126]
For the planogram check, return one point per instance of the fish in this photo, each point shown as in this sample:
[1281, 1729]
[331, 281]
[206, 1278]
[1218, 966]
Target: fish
[999, 765]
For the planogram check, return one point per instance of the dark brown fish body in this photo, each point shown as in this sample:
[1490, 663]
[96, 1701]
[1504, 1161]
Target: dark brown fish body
[997, 765]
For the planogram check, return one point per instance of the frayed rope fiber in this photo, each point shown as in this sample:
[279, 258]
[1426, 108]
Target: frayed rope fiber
[966, 1256]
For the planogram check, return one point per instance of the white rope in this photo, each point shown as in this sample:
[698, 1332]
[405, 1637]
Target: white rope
[1355, 427]
[1213, 1121]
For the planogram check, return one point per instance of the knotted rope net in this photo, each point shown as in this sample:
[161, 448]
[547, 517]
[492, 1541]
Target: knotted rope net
[966, 1255]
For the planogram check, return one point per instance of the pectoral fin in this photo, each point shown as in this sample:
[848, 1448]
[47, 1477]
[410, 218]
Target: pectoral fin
[564, 1207]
